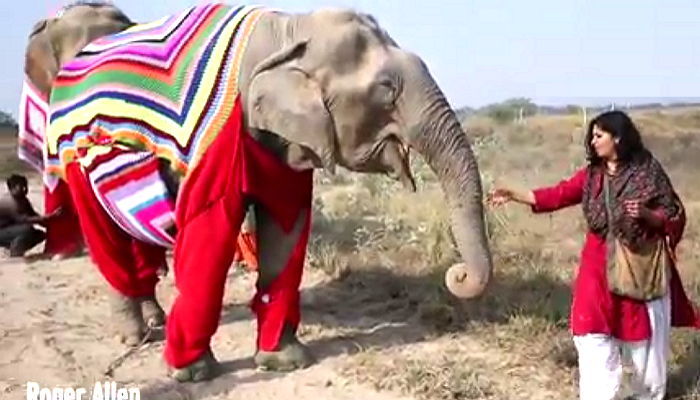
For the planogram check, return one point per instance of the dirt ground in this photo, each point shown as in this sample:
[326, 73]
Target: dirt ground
[53, 332]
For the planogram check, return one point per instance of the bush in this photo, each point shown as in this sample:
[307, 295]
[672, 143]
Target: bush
[7, 120]
[510, 110]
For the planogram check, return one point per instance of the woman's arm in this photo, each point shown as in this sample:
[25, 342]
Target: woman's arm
[500, 196]
[566, 193]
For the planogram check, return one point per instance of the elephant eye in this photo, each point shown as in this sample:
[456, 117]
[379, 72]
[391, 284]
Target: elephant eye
[384, 93]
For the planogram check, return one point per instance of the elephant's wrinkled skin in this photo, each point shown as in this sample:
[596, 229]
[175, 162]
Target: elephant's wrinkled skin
[332, 88]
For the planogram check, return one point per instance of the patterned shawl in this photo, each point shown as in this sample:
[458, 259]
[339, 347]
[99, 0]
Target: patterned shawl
[643, 179]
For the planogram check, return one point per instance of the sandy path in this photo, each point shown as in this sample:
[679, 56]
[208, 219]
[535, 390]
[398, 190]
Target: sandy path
[52, 332]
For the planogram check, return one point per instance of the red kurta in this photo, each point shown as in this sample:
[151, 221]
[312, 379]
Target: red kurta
[595, 309]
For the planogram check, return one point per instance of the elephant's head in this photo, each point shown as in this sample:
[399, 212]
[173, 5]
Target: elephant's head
[341, 92]
[53, 41]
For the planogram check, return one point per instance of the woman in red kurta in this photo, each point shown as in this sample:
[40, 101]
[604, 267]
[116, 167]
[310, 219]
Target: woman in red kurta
[645, 207]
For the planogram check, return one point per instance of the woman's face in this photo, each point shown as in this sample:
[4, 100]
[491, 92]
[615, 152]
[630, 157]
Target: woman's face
[604, 144]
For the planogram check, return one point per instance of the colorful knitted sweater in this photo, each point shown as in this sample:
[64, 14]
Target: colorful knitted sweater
[165, 87]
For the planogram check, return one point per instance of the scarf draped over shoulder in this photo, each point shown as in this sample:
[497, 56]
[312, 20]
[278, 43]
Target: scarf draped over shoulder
[643, 179]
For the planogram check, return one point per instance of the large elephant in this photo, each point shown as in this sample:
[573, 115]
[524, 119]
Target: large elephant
[52, 42]
[318, 90]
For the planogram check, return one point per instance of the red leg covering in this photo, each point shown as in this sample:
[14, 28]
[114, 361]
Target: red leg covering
[209, 211]
[148, 260]
[285, 199]
[132, 273]
[278, 304]
[63, 234]
[209, 215]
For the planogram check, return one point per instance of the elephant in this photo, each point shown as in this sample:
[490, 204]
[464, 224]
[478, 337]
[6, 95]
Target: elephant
[319, 90]
[54, 41]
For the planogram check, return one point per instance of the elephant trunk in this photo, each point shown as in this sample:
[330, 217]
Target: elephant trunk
[439, 138]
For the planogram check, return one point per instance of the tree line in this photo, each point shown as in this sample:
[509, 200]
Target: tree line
[520, 107]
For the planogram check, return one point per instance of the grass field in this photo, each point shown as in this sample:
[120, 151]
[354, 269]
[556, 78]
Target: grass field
[368, 227]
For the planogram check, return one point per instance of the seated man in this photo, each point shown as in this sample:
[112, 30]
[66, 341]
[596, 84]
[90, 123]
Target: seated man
[17, 219]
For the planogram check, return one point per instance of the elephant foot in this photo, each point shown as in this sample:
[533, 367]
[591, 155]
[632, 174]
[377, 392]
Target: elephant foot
[153, 314]
[127, 319]
[291, 355]
[201, 370]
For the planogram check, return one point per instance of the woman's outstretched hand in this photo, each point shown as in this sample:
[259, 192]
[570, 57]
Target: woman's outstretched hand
[500, 196]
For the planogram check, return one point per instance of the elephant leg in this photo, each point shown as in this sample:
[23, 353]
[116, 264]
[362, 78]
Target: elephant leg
[146, 258]
[209, 214]
[132, 274]
[203, 256]
[276, 303]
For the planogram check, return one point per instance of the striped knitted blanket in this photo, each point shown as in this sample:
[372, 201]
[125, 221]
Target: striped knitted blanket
[33, 114]
[162, 90]
[31, 132]
[166, 87]
[129, 187]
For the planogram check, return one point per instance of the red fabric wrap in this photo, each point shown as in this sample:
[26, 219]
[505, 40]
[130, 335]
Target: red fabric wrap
[129, 265]
[208, 218]
[209, 214]
[210, 210]
[279, 303]
[63, 234]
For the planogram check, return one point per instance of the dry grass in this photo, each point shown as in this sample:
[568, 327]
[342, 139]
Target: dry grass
[447, 377]
[365, 224]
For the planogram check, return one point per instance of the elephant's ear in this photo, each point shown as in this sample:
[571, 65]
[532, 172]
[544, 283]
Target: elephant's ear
[286, 100]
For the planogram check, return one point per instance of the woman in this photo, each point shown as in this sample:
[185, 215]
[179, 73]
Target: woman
[643, 206]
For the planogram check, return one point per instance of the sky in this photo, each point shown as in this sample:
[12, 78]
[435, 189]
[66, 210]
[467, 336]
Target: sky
[483, 51]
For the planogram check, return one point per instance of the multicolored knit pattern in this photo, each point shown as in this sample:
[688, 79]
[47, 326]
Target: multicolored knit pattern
[129, 187]
[33, 114]
[166, 87]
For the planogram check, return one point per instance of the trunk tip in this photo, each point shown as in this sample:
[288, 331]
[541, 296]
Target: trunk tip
[465, 282]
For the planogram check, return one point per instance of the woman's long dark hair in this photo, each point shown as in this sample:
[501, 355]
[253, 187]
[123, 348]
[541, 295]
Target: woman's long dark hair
[628, 141]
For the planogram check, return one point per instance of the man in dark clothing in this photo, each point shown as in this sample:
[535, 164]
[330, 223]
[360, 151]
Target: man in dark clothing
[17, 219]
